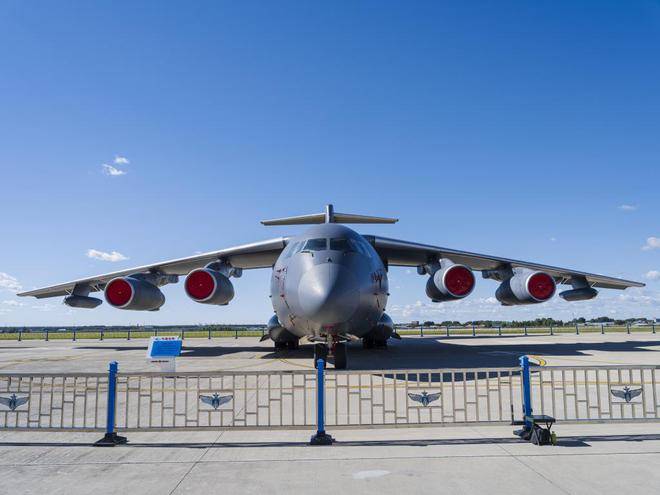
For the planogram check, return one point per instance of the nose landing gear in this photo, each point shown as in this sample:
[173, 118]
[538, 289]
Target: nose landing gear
[336, 349]
[341, 359]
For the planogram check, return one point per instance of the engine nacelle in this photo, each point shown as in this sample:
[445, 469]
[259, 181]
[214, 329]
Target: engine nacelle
[526, 287]
[383, 329]
[278, 333]
[208, 286]
[450, 282]
[77, 301]
[133, 293]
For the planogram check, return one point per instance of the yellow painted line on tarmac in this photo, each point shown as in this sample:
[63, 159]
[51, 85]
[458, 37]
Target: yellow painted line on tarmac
[286, 361]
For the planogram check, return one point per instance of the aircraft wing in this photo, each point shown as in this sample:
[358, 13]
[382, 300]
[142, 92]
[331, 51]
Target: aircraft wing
[256, 255]
[405, 253]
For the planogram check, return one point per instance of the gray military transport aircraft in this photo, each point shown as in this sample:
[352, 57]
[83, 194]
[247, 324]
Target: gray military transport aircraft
[329, 284]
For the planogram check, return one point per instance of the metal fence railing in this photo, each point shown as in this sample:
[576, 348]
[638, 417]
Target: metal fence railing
[53, 401]
[119, 401]
[602, 393]
[418, 397]
[250, 399]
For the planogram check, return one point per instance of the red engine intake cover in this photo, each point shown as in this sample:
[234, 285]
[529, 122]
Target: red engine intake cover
[541, 286]
[459, 281]
[118, 292]
[200, 285]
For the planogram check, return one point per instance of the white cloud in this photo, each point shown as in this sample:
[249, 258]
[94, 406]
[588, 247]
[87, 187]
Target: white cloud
[11, 302]
[112, 171]
[652, 243]
[628, 207]
[113, 257]
[44, 307]
[121, 160]
[553, 239]
[9, 283]
[653, 275]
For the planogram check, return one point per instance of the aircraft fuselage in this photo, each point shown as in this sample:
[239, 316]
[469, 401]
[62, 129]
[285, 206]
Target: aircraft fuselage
[329, 281]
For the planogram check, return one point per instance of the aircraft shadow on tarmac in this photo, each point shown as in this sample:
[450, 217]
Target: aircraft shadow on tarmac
[425, 352]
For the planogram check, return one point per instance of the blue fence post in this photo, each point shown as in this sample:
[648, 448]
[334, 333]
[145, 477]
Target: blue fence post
[46, 334]
[527, 391]
[321, 437]
[421, 330]
[654, 328]
[474, 330]
[111, 438]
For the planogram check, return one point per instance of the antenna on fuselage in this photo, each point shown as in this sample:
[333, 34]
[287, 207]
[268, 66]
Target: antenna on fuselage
[329, 216]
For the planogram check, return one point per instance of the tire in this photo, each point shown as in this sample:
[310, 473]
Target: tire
[280, 346]
[341, 360]
[320, 352]
[381, 343]
[293, 345]
[368, 343]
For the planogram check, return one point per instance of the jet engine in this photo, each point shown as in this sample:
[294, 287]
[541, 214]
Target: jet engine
[526, 287]
[133, 293]
[448, 281]
[209, 286]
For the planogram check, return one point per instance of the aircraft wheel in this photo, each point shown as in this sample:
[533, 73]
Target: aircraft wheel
[368, 343]
[381, 343]
[293, 345]
[320, 352]
[340, 357]
[280, 346]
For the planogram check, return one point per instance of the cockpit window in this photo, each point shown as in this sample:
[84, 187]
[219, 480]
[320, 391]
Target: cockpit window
[315, 245]
[339, 244]
[292, 249]
[360, 247]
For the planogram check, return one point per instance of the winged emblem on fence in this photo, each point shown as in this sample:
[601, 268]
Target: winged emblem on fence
[215, 400]
[13, 401]
[627, 393]
[425, 398]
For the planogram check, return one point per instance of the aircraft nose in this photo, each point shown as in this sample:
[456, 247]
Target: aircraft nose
[329, 294]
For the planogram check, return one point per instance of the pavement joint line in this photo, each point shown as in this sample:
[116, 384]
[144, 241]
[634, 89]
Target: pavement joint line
[206, 451]
[326, 459]
[519, 459]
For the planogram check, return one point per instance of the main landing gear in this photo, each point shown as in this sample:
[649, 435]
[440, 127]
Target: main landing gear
[370, 343]
[337, 350]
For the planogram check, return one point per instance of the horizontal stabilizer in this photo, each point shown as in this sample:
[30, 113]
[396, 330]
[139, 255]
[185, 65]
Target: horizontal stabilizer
[328, 217]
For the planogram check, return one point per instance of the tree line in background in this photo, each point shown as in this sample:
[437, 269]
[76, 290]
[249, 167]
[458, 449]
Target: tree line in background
[539, 322]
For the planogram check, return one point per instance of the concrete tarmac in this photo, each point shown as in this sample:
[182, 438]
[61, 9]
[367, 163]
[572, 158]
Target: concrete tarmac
[248, 353]
[598, 459]
[589, 459]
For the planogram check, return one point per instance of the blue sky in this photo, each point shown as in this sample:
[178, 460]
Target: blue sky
[522, 129]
